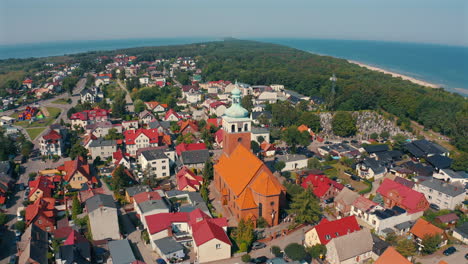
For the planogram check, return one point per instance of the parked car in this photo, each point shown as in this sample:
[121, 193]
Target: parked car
[258, 245]
[259, 260]
[449, 251]
[434, 207]
[329, 200]
[161, 261]
[355, 177]
[12, 259]
[17, 233]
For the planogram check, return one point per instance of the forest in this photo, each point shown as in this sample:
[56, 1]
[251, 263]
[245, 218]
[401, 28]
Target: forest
[357, 88]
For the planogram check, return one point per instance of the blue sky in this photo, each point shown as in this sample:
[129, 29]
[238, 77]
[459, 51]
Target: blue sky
[430, 21]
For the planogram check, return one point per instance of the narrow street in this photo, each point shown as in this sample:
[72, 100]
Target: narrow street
[128, 98]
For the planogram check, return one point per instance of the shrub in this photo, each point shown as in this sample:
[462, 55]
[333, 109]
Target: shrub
[295, 251]
[246, 258]
[275, 250]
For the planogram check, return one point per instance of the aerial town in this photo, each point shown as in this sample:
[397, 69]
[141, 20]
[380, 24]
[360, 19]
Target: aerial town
[145, 162]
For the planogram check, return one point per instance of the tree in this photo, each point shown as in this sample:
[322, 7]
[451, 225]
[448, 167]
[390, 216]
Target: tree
[311, 120]
[384, 134]
[26, 148]
[119, 106]
[247, 102]
[69, 83]
[284, 114]
[279, 166]
[295, 251]
[260, 139]
[255, 147]
[374, 136]
[378, 199]
[20, 226]
[208, 171]
[406, 247]
[244, 234]
[344, 124]
[76, 207]
[399, 141]
[314, 163]
[139, 106]
[430, 243]
[78, 150]
[246, 258]
[460, 162]
[90, 80]
[294, 137]
[317, 251]
[122, 75]
[120, 179]
[113, 134]
[3, 218]
[391, 238]
[12, 84]
[275, 250]
[306, 207]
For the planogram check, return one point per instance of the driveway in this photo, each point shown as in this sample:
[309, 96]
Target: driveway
[456, 258]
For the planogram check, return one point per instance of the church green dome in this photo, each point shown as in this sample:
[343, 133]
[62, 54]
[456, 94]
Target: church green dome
[236, 111]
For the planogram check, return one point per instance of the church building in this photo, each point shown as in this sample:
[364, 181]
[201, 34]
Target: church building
[248, 188]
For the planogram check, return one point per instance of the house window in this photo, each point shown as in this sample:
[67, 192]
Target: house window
[260, 207]
[164, 174]
[48, 228]
[430, 197]
[327, 237]
[163, 167]
[39, 222]
[218, 246]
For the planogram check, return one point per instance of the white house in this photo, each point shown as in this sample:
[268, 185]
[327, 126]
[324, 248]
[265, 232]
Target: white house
[156, 161]
[442, 194]
[103, 218]
[293, 161]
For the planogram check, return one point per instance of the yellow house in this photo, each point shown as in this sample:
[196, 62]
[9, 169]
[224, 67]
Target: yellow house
[41, 187]
[77, 173]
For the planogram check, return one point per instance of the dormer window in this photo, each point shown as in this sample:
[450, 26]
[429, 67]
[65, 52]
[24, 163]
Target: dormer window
[327, 237]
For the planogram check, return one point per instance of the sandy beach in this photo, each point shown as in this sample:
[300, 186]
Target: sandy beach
[404, 77]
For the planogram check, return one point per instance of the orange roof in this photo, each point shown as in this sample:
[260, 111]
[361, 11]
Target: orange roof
[442, 262]
[303, 128]
[246, 200]
[391, 256]
[239, 168]
[423, 227]
[266, 184]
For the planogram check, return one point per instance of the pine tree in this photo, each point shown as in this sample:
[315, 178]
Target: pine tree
[306, 207]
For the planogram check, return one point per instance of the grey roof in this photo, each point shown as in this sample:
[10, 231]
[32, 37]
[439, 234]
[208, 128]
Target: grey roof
[121, 252]
[456, 174]
[144, 113]
[266, 114]
[34, 245]
[260, 130]
[376, 148]
[291, 157]
[353, 244]
[77, 253]
[463, 230]
[154, 154]
[443, 187]
[156, 124]
[195, 199]
[101, 142]
[374, 164]
[404, 225]
[137, 189]
[100, 200]
[405, 182]
[150, 205]
[195, 156]
[420, 148]
[168, 245]
[439, 161]
[379, 246]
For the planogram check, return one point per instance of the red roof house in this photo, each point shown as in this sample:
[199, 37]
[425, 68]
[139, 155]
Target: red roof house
[188, 126]
[172, 115]
[394, 193]
[41, 213]
[74, 238]
[146, 196]
[188, 181]
[322, 186]
[326, 230]
[188, 147]
[215, 122]
[77, 173]
[41, 187]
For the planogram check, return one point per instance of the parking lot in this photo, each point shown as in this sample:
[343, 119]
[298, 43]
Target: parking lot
[456, 258]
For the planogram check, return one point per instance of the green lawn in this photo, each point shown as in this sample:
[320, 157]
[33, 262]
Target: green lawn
[34, 132]
[60, 101]
[53, 112]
